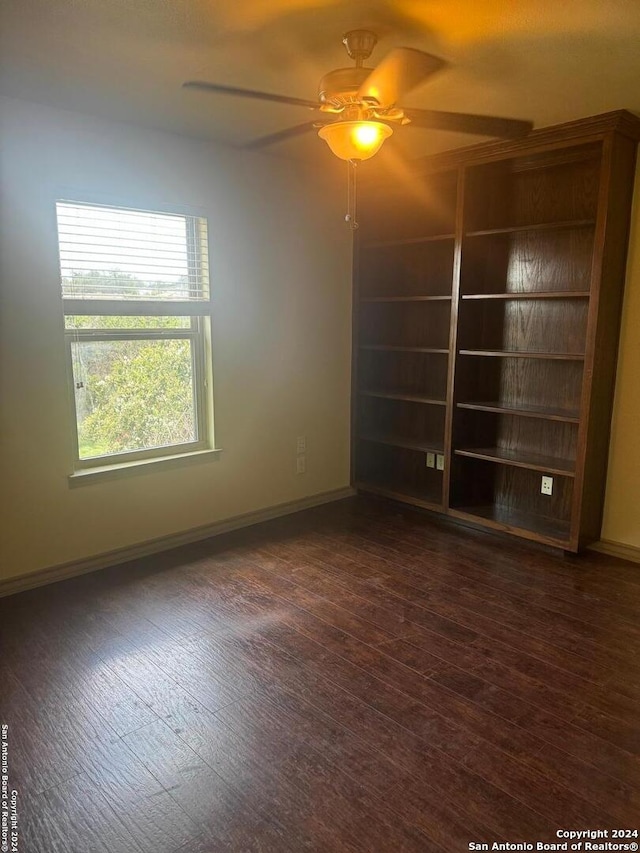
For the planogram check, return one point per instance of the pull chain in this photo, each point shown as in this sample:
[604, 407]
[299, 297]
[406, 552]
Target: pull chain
[350, 218]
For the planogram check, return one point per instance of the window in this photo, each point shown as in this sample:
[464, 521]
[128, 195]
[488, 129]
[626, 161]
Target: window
[135, 290]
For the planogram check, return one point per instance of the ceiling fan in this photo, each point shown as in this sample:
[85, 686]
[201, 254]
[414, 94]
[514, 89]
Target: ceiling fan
[357, 107]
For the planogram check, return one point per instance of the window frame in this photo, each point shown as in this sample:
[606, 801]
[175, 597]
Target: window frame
[198, 333]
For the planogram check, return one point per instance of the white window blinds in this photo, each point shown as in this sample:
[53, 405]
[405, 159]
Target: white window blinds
[109, 254]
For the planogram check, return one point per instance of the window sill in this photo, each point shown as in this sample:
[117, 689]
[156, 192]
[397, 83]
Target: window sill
[140, 466]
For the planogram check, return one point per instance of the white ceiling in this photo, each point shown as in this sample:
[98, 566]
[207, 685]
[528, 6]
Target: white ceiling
[545, 60]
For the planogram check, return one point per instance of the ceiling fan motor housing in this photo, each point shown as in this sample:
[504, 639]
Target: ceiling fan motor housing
[341, 86]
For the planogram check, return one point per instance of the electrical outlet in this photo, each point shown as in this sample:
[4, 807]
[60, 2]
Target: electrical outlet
[440, 462]
[431, 460]
[301, 444]
[546, 487]
[301, 464]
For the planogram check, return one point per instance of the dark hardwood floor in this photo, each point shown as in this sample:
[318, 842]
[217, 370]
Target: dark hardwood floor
[352, 678]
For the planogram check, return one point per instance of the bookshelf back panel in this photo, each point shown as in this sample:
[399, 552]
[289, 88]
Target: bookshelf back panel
[422, 206]
[520, 381]
[515, 490]
[423, 269]
[398, 469]
[403, 372]
[534, 261]
[414, 421]
[413, 324]
[534, 190]
[524, 325]
[526, 436]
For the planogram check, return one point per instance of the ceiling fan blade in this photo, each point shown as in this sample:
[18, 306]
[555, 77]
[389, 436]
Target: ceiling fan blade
[505, 128]
[281, 135]
[399, 72]
[249, 93]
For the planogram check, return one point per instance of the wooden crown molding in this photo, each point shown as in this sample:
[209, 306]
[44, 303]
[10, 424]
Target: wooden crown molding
[584, 130]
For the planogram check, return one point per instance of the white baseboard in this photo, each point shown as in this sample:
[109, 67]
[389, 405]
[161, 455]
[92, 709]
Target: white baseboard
[165, 543]
[617, 549]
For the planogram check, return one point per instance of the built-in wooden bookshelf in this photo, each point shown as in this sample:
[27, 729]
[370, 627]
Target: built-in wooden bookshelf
[404, 310]
[487, 308]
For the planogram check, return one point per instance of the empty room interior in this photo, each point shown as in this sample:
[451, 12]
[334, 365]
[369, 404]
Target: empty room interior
[319, 405]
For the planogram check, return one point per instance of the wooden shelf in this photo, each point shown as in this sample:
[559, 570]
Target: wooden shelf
[406, 298]
[539, 528]
[407, 241]
[541, 294]
[563, 415]
[543, 226]
[390, 348]
[410, 496]
[407, 396]
[521, 459]
[496, 353]
[406, 443]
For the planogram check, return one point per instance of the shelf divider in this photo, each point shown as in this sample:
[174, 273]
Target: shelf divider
[406, 241]
[406, 396]
[496, 353]
[395, 348]
[405, 443]
[539, 528]
[565, 415]
[530, 294]
[541, 226]
[437, 298]
[521, 459]
[399, 493]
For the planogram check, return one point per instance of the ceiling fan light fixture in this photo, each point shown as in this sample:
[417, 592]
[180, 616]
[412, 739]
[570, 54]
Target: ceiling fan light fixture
[355, 140]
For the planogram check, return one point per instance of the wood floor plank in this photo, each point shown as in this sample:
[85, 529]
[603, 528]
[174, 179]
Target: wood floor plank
[549, 686]
[319, 786]
[73, 818]
[537, 572]
[340, 585]
[223, 814]
[402, 602]
[419, 805]
[154, 819]
[446, 599]
[38, 759]
[434, 649]
[85, 679]
[411, 684]
[595, 617]
[151, 680]
[251, 746]
[437, 739]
